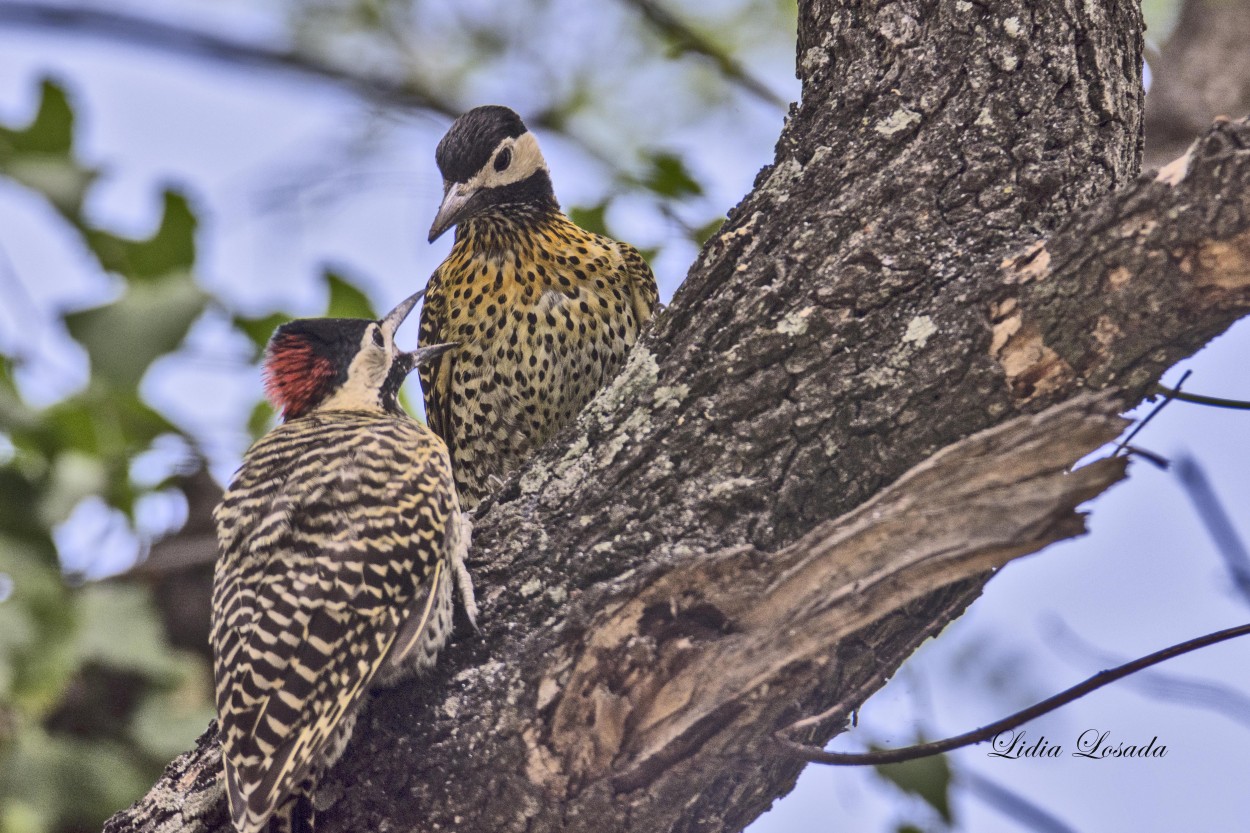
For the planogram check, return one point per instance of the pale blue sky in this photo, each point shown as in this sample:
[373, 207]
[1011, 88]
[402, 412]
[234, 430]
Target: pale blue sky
[272, 170]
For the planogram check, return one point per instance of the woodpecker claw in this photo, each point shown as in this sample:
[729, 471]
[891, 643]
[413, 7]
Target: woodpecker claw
[464, 581]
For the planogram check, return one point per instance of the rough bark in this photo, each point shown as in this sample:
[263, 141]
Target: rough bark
[663, 587]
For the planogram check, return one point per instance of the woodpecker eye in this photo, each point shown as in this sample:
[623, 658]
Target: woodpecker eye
[377, 337]
[503, 159]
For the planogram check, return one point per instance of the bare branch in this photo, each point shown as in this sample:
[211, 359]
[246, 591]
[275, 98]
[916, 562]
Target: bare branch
[1006, 724]
[121, 27]
[727, 623]
[1218, 524]
[832, 336]
[1222, 698]
[721, 625]
[672, 27]
[1199, 399]
[1180, 237]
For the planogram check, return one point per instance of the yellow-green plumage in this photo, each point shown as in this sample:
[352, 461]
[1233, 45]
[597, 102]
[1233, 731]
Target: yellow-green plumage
[544, 313]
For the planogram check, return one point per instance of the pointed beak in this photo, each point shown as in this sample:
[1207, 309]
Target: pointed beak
[391, 321]
[455, 196]
[425, 355]
[422, 355]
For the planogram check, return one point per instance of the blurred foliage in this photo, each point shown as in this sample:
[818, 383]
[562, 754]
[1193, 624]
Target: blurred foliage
[63, 767]
[1160, 17]
[93, 698]
[927, 778]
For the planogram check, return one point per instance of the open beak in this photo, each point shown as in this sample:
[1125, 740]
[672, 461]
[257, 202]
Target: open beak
[391, 321]
[422, 355]
[455, 196]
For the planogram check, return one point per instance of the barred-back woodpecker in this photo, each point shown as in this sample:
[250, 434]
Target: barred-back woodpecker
[544, 311]
[340, 538]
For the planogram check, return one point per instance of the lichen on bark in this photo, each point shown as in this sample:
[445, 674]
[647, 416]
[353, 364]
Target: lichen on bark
[892, 286]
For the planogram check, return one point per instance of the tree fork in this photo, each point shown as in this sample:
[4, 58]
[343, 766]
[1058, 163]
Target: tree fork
[880, 296]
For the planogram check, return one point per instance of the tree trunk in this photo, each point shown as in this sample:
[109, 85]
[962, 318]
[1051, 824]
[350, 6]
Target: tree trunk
[863, 399]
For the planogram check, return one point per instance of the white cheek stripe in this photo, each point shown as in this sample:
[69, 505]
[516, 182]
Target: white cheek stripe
[526, 159]
[361, 391]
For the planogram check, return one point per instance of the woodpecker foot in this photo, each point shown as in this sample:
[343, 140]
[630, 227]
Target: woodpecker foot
[464, 581]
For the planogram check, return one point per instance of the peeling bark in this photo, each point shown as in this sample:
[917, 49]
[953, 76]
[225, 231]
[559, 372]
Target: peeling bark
[934, 252]
[694, 643]
[1179, 240]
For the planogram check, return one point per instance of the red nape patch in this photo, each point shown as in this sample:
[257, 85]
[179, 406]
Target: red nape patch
[295, 376]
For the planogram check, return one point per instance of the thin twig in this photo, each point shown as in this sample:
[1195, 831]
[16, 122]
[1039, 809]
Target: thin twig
[166, 37]
[1220, 698]
[1153, 413]
[1217, 522]
[923, 750]
[1199, 399]
[1010, 803]
[1155, 459]
[673, 27]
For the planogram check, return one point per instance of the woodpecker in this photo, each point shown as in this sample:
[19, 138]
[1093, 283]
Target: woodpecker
[340, 538]
[544, 311]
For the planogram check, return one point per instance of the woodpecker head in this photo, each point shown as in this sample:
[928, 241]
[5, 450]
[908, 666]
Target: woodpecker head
[341, 363]
[488, 158]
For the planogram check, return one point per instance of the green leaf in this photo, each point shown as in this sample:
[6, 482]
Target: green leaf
[929, 778]
[52, 129]
[75, 476]
[59, 179]
[37, 624]
[261, 419]
[103, 422]
[169, 252]
[668, 177]
[346, 300]
[260, 330]
[169, 720]
[39, 155]
[704, 233]
[21, 491]
[591, 218]
[120, 630]
[124, 338]
[57, 782]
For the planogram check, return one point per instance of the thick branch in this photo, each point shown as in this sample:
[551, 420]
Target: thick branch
[1073, 309]
[834, 335]
[682, 652]
[691, 647]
